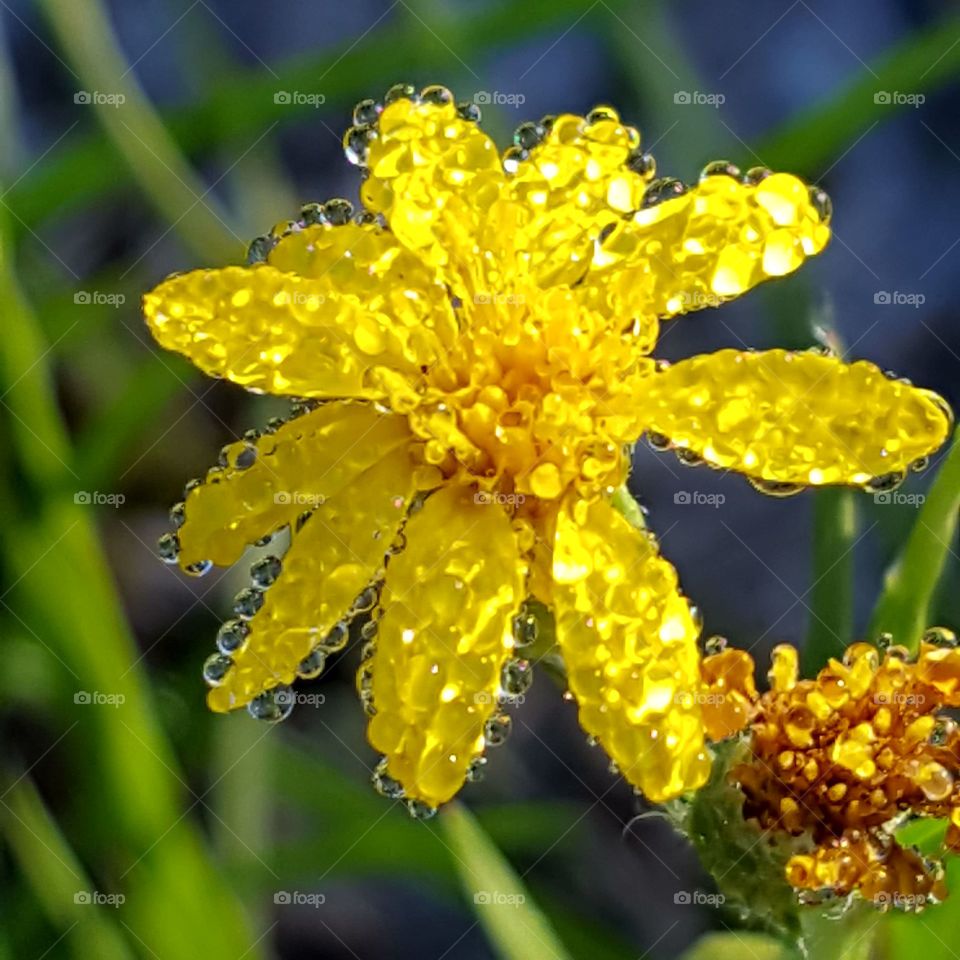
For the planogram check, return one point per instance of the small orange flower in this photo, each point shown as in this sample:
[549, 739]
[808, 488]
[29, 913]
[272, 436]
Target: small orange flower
[842, 761]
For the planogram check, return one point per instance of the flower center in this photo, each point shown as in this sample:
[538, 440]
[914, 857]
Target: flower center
[533, 397]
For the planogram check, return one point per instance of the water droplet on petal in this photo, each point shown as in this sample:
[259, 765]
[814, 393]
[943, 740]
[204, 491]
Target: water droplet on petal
[265, 571]
[215, 669]
[232, 636]
[272, 705]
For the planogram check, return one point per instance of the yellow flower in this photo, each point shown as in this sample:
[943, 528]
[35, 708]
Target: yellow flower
[479, 343]
[841, 761]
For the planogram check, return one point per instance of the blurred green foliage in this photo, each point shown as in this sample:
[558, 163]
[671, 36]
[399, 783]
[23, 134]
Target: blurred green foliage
[127, 820]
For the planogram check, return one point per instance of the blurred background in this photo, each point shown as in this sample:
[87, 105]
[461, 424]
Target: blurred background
[143, 138]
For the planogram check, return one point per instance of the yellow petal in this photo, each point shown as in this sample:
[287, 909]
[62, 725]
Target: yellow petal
[339, 551]
[443, 640]
[434, 176]
[361, 308]
[629, 642]
[711, 244]
[575, 182]
[268, 483]
[798, 418]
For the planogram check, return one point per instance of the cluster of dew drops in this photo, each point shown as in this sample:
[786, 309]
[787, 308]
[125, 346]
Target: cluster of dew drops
[360, 621]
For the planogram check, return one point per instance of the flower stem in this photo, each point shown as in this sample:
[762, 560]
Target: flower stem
[904, 607]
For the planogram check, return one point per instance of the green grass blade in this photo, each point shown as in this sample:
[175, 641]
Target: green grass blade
[135, 130]
[923, 62]
[831, 597]
[121, 757]
[738, 946]
[515, 926]
[904, 605]
[57, 878]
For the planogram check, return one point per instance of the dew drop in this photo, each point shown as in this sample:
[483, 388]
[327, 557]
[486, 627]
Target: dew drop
[366, 113]
[265, 571]
[336, 639]
[940, 637]
[420, 810]
[497, 729]
[247, 602]
[272, 705]
[232, 635]
[168, 546]
[526, 628]
[384, 784]
[477, 770]
[312, 665]
[215, 669]
[199, 569]
[516, 677]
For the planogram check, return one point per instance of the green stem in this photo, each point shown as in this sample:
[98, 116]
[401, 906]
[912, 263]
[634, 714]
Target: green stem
[925, 61]
[831, 597]
[66, 894]
[123, 763]
[904, 607]
[136, 130]
[515, 926]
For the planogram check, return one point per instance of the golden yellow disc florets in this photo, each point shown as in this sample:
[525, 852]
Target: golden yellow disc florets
[841, 761]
